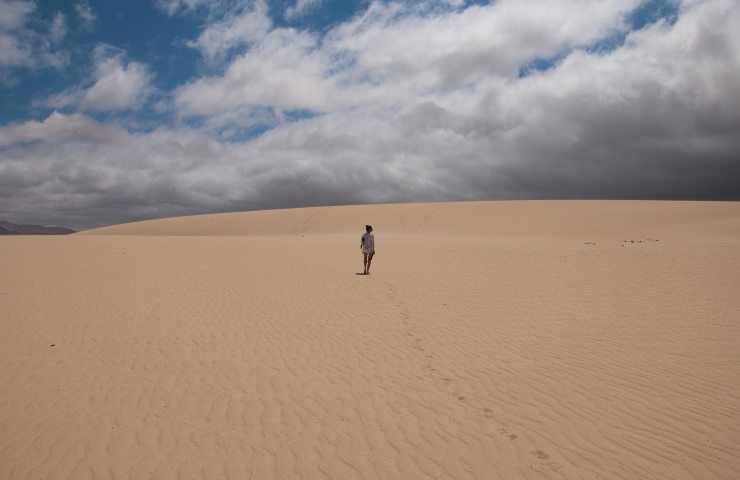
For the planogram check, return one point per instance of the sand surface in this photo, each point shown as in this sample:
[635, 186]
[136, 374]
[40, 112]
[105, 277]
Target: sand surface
[493, 340]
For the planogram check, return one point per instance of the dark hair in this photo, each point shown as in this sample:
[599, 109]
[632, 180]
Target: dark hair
[368, 228]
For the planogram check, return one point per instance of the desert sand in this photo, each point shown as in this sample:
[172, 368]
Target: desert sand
[492, 340]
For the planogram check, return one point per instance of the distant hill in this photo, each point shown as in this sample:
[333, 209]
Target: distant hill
[10, 228]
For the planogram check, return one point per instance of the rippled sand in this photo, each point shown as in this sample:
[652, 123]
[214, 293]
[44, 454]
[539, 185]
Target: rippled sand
[563, 340]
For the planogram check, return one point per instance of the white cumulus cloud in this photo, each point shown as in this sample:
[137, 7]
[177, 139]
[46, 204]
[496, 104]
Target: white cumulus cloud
[241, 27]
[24, 47]
[283, 70]
[390, 55]
[116, 84]
[58, 127]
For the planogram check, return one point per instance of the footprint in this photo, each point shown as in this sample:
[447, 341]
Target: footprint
[457, 395]
[513, 436]
[540, 454]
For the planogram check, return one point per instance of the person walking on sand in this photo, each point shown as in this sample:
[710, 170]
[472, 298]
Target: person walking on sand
[367, 245]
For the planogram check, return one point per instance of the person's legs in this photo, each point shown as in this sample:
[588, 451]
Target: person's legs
[364, 263]
[369, 259]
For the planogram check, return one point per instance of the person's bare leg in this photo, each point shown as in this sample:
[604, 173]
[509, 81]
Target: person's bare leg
[369, 260]
[364, 263]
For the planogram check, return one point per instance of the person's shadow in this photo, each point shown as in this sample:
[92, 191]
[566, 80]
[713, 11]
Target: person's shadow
[360, 273]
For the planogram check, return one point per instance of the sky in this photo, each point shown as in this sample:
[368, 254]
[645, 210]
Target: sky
[117, 111]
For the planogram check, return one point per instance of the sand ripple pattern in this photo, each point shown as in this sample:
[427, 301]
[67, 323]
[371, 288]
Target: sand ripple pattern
[458, 358]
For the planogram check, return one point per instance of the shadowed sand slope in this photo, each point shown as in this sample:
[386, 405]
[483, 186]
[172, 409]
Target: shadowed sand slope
[511, 340]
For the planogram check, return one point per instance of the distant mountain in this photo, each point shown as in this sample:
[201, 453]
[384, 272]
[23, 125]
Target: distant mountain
[10, 228]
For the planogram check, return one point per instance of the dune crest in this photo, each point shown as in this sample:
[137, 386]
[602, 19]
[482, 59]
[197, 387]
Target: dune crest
[551, 219]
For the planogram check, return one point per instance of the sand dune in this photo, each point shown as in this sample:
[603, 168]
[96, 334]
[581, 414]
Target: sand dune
[556, 340]
[550, 219]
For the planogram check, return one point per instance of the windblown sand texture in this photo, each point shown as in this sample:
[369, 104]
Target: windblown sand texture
[493, 340]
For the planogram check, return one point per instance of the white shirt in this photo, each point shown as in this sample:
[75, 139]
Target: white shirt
[369, 244]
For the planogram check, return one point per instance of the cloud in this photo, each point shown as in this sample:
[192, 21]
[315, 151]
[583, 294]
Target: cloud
[13, 13]
[171, 7]
[387, 121]
[300, 8]
[12, 53]
[391, 54]
[58, 127]
[85, 14]
[240, 27]
[208, 10]
[23, 47]
[116, 84]
[58, 27]
[449, 49]
[96, 168]
[13, 17]
[282, 71]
